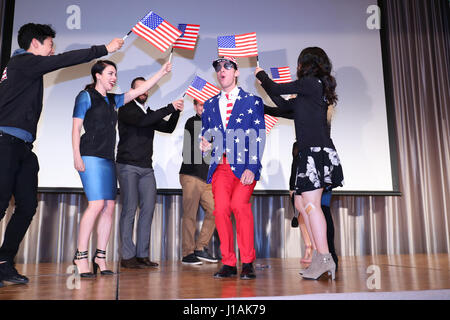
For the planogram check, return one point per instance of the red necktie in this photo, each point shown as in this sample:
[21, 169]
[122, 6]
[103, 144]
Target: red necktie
[228, 109]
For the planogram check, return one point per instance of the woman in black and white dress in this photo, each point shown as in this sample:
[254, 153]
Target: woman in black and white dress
[318, 164]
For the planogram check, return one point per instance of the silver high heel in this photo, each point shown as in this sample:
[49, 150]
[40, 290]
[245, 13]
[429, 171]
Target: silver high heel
[320, 264]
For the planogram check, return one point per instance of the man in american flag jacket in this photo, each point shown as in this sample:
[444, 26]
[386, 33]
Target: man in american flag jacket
[233, 127]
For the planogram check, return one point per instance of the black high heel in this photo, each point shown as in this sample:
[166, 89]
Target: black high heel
[80, 256]
[96, 266]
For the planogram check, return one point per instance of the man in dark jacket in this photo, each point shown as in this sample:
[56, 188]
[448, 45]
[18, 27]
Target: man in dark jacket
[21, 92]
[137, 125]
[193, 174]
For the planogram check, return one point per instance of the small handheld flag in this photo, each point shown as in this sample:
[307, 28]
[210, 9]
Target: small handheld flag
[201, 89]
[188, 38]
[281, 74]
[157, 31]
[244, 45]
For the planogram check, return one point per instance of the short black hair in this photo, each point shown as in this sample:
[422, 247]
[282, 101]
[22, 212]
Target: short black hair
[136, 79]
[31, 31]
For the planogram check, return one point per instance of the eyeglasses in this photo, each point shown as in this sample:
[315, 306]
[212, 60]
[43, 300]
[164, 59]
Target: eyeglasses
[227, 65]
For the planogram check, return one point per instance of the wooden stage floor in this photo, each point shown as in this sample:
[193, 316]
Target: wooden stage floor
[173, 280]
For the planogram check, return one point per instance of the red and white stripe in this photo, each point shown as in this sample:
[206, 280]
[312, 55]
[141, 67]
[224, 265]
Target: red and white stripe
[4, 75]
[228, 109]
[206, 93]
[162, 37]
[270, 122]
[285, 75]
[246, 46]
[189, 38]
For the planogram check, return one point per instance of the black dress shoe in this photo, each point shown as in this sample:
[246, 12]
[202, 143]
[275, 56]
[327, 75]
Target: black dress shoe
[146, 262]
[131, 264]
[226, 272]
[9, 273]
[1, 284]
[247, 271]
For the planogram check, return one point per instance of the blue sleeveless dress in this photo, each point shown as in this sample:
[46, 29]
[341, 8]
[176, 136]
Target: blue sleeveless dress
[99, 177]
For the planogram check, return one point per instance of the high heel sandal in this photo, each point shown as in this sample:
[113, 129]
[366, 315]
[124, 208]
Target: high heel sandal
[320, 264]
[96, 266]
[80, 256]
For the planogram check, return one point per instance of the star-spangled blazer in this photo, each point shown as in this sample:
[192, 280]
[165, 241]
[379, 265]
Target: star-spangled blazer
[242, 141]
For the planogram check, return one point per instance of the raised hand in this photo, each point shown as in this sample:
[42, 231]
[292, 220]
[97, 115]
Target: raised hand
[258, 69]
[166, 68]
[114, 45]
[178, 104]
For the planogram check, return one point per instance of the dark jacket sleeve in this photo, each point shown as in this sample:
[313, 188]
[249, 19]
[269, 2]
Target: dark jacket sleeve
[272, 88]
[37, 66]
[130, 115]
[284, 109]
[169, 125]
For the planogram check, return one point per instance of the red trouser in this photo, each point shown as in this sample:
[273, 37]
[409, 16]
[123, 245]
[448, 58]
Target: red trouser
[230, 195]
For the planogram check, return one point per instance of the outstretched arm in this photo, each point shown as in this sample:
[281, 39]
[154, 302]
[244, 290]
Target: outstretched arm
[170, 125]
[40, 65]
[134, 93]
[273, 88]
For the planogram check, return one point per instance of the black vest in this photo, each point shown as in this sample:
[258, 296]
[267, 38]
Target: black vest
[99, 124]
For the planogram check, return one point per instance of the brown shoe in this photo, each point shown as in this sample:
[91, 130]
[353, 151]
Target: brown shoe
[146, 262]
[131, 263]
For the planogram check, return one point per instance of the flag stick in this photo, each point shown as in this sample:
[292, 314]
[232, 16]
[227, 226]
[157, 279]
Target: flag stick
[257, 61]
[126, 36]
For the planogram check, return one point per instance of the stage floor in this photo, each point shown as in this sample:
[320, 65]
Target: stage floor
[275, 278]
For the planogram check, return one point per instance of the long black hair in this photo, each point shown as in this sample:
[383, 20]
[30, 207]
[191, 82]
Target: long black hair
[313, 61]
[98, 67]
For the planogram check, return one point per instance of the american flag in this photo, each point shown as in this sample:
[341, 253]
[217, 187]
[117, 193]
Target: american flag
[270, 122]
[157, 31]
[201, 89]
[244, 45]
[188, 37]
[281, 74]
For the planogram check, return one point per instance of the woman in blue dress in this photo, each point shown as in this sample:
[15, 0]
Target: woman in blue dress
[96, 111]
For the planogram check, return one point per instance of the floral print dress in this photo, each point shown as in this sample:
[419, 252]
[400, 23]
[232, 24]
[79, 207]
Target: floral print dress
[318, 167]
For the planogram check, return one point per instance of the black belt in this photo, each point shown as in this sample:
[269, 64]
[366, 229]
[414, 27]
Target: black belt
[12, 138]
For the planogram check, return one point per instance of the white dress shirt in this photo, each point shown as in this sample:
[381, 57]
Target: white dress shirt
[223, 101]
[140, 105]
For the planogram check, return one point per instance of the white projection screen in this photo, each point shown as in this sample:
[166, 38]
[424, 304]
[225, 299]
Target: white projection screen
[344, 29]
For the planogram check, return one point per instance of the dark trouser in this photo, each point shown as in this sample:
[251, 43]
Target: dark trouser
[19, 178]
[137, 187]
[330, 233]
